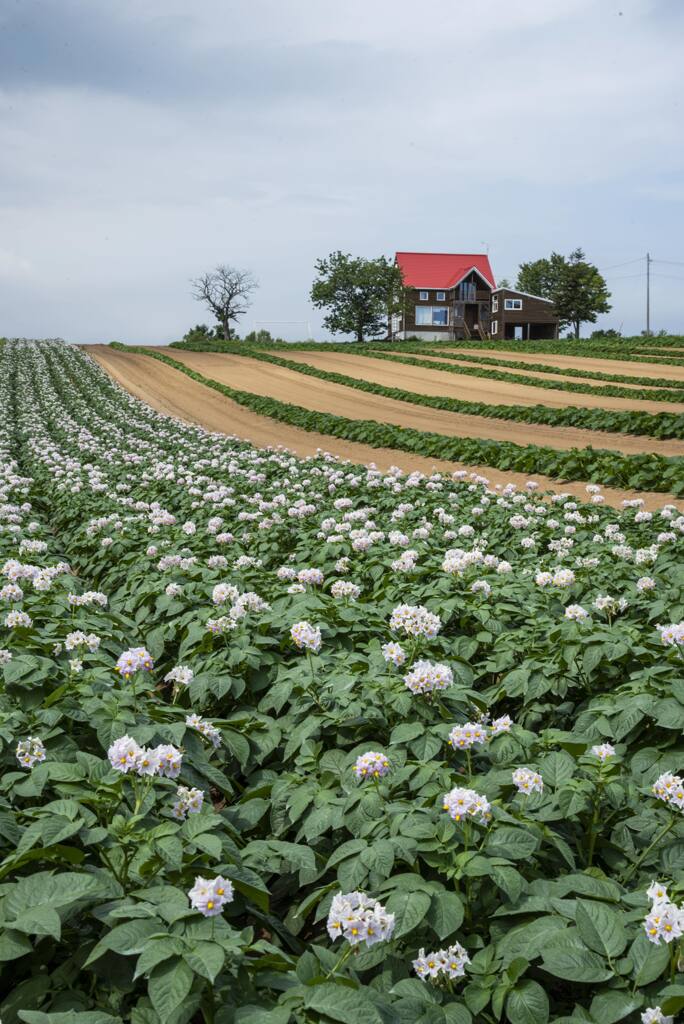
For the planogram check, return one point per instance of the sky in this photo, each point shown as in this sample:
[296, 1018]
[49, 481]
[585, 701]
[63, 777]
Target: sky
[144, 141]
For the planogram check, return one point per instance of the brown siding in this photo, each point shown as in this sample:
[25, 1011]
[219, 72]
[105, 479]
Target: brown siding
[535, 312]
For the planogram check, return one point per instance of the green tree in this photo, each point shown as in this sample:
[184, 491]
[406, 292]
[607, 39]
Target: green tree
[200, 332]
[605, 332]
[360, 295]
[577, 289]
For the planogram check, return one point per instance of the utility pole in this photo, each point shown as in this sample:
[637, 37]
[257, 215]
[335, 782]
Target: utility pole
[648, 294]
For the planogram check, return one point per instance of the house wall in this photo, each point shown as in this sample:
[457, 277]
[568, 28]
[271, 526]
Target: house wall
[431, 333]
[537, 317]
[409, 328]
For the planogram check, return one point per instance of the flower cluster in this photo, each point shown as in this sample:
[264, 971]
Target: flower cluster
[428, 676]
[81, 639]
[181, 675]
[189, 801]
[463, 737]
[665, 919]
[527, 781]
[670, 789]
[311, 577]
[603, 751]
[672, 635]
[306, 637]
[345, 589]
[210, 895]
[30, 751]
[126, 755]
[654, 1015]
[450, 963]
[18, 620]
[205, 728]
[415, 621]
[359, 918]
[466, 803]
[576, 613]
[394, 653]
[371, 765]
[137, 659]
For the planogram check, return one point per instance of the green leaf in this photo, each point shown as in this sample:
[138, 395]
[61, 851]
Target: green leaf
[576, 965]
[614, 1005]
[156, 951]
[206, 959]
[13, 944]
[557, 768]
[650, 961]
[168, 986]
[456, 1013]
[342, 1003]
[601, 927]
[409, 909]
[527, 1004]
[126, 939]
[70, 1017]
[445, 915]
[39, 921]
[512, 843]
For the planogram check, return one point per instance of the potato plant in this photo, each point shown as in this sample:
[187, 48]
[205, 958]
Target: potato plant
[294, 741]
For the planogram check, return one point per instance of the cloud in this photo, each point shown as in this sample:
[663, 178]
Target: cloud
[143, 143]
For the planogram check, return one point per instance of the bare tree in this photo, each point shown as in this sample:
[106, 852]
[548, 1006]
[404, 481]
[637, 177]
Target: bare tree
[226, 292]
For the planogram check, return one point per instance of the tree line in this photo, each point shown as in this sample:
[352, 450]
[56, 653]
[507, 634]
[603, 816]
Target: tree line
[362, 296]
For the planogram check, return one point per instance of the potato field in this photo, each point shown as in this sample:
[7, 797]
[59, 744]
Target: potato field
[287, 739]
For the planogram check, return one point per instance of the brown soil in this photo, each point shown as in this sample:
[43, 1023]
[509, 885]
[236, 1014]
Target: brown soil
[673, 373]
[454, 385]
[170, 392]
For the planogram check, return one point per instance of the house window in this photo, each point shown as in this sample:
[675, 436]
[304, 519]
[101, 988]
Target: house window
[495, 304]
[494, 327]
[512, 303]
[423, 296]
[441, 296]
[432, 316]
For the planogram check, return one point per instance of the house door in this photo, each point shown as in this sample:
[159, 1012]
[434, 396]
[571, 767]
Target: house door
[471, 314]
[518, 332]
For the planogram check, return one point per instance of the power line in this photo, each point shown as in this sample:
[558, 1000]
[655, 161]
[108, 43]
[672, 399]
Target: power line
[673, 263]
[614, 266]
[671, 277]
[627, 277]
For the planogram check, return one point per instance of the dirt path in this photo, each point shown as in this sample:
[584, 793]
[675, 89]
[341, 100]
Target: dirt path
[673, 373]
[454, 385]
[170, 392]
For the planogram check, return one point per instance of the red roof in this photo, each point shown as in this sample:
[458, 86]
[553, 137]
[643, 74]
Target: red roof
[441, 269]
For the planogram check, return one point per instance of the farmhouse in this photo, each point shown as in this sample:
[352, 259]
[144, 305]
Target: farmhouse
[454, 295]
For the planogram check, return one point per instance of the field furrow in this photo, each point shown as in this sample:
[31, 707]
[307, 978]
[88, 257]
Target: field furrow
[455, 385]
[168, 391]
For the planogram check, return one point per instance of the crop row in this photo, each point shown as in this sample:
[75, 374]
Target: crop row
[617, 378]
[640, 472]
[675, 395]
[601, 350]
[662, 425]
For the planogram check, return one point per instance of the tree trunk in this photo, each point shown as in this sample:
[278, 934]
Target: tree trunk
[359, 331]
[577, 328]
[225, 327]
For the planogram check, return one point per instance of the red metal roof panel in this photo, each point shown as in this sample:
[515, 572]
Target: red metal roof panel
[440, 269]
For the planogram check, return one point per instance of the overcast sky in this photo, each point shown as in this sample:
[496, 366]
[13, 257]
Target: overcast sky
[143, 141]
